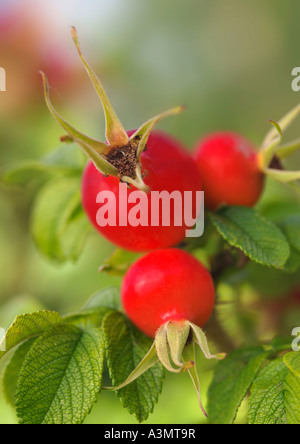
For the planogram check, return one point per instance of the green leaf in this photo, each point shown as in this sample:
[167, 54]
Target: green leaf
[232, 380]
[292, 398]
[109, 297]
[257, 237]
[61, 376]
[267, 404]
[119, 262]
[12, 370]
[291, 228]
[281, 343]
[237, 317]
[66, 160]
[27, 173]
[96, 309]
[125, 348]
[293, 263]
[292, 387]
[75, 235]
[58, 225]
[292, 361]
[66, 157]
[29, 326]
[87, 318]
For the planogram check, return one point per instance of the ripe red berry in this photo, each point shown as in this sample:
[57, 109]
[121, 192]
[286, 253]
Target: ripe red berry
[167, 285]
[169, 168]
[230, 170]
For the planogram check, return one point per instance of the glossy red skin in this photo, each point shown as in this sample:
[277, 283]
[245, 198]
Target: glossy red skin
[167, 285]
[169, 168]
[229, 169]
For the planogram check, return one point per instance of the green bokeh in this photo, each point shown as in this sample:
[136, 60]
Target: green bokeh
[229, 61]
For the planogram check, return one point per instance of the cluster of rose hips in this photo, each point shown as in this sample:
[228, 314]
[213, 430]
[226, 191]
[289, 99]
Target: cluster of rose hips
[167, 294]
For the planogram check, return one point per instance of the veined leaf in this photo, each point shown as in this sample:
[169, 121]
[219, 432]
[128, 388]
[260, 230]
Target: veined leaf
[292, 398]
[292, 361]
[232, 380]
[61, 376]
[88, 318]
[12, 370]
[29, 326]
[125, 348]
[257, 237]
[268, 402]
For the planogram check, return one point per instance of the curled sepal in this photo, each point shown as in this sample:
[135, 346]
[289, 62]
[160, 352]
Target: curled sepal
[177, 335]
[174, 347]
[162, 349]
[190, 354]
[283, 123]
[288, 149]
[270, 146]
[170, 340]
[92, 147]
[115, 133]
[143, 133]
[146, 363]
[200, 339]
[283, 176]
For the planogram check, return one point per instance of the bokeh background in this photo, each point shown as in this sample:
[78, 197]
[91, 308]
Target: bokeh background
[229, 62]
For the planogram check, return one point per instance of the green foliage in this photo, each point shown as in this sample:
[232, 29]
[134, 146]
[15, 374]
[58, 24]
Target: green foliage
[274, 386]
[29, 326]
[119, 262]
[64, 161]
[59, 226]
[257, 237]
[292, 361]
[54, 374]
[109, 297]
[267, 400]
[12, 370]
[125, 348]
[232, 379]
[61, 376]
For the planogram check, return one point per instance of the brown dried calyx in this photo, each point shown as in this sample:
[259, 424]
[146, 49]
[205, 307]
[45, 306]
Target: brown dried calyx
[120, 155]
[125, 160]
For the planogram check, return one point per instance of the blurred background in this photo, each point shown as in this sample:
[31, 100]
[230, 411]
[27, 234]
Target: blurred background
[229, 62]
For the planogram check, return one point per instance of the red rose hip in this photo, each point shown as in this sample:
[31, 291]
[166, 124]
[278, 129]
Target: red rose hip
[230, 170]
[167, 285]
[169, 168]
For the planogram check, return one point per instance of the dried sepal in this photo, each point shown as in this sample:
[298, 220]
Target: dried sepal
[115, 133]
[92, 147]
[143, 133]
